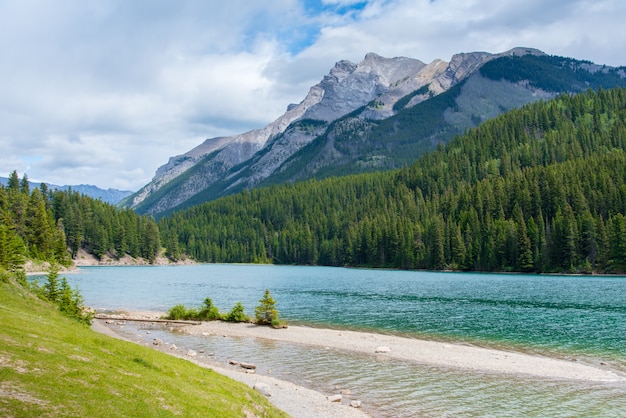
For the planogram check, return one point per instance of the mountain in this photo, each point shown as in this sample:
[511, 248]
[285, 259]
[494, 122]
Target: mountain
[112, 196]
[379, 114]
[538, 189]
[109, 195]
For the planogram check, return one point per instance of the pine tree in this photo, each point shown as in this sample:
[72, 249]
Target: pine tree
[25, 185]
[525, 254]
[265, 312]
[52, 288]
[39, 232]
[438, 261]
[14, 182]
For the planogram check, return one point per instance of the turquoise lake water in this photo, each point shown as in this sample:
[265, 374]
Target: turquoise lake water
[560, 316]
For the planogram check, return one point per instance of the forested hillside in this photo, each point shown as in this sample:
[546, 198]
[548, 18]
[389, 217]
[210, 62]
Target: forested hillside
[540, 189]
[378, 115]
[45, 225]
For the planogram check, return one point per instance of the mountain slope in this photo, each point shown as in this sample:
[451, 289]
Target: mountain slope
[538, 189]
[379, 114]
[504, 83]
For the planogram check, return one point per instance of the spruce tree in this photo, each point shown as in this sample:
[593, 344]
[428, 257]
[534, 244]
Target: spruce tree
[265, 312]
[14, 181]
[52, 287]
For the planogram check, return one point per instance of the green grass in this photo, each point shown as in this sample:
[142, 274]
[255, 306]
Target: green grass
[52, 366]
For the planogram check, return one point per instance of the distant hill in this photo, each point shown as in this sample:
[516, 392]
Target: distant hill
[112, 196]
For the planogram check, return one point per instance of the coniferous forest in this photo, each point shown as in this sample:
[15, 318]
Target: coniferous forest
[539, 189]
[52, 225]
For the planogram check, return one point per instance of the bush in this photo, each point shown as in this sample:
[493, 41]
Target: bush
[209, 312]
[59, 292]
[21, 278]
[177, 312]
[278, 323]
[70, 302]
[4, 276]
[237, 314]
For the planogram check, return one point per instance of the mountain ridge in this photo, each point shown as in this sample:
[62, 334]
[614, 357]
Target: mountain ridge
[344, 124]
[537, 189]
[110, 195]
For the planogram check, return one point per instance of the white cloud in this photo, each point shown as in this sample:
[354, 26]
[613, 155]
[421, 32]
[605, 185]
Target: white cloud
[104, 92]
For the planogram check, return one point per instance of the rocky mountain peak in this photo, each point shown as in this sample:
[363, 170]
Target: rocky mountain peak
[520, 51]
[390, 70]
[349, 86]
[342, 69]
[374, 89]
[461, 65]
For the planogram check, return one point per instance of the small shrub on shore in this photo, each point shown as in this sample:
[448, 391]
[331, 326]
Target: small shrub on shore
[177, 312]
[58, 291]
[207, 312]
[265, 313]
[237, 314]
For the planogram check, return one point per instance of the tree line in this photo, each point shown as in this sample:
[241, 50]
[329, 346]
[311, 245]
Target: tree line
[539, 189]
[52, 225]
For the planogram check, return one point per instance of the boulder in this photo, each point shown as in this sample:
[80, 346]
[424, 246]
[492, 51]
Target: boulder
[335, 398]
[355, 404]
[263, 389]
[157, 341]
[191, 353]
[382, 349]
[248, 365]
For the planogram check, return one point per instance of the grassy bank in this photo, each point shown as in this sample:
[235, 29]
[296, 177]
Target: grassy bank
[53, 366]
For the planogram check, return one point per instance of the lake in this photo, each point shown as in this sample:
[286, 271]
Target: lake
[560, 316]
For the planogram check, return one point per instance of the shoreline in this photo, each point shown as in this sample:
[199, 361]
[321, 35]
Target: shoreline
[296, 400]
[433, 353]
[300, 401]
[84, 259]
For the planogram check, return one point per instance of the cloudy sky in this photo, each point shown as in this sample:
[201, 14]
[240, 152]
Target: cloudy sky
[104, 91]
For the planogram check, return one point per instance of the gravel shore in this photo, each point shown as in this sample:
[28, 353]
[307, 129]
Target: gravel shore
[297, 401]
[302, 402]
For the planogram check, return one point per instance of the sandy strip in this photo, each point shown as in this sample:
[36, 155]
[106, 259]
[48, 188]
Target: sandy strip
[297, 401]
[419, 351]
[301, 402]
